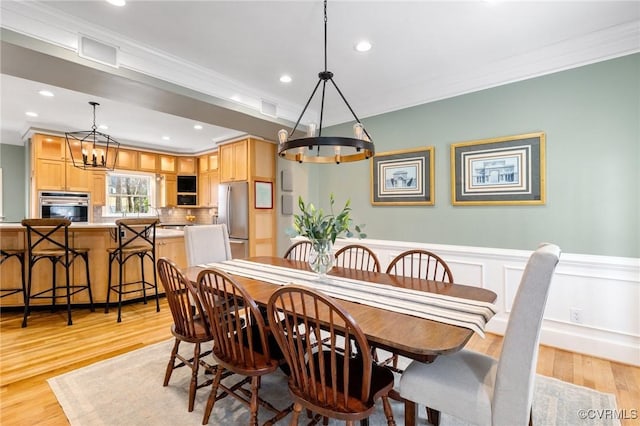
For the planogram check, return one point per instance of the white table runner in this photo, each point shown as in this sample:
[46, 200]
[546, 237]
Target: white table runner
[471, 314]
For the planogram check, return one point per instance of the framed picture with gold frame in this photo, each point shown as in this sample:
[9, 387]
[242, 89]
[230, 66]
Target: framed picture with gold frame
[508, 170]
[403, 178]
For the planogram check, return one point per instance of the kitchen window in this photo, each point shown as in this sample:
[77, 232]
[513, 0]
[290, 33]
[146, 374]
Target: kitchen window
[130, 194]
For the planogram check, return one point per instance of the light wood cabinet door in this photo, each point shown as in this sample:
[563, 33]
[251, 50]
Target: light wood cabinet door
[167, 163]
[169, 192]
[213, 161]
[172, 248]
[50, 175]
[10, 271]
[147, 161]
[186, 165]
[214, 180]
[127, 159]
[234, 162]
[203, 164]
[49, 147]
[77, 179]
[98, 188]
[203, 189]
[208, 189]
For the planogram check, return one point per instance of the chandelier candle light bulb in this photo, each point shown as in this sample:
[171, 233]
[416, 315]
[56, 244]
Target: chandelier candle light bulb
[346, 149]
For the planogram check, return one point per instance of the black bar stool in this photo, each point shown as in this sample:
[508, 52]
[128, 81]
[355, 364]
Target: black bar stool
[49, 239]
[6, 254]
[136, 239]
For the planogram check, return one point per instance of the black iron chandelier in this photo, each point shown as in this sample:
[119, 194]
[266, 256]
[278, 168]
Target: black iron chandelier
[315, 148]
[92, 149]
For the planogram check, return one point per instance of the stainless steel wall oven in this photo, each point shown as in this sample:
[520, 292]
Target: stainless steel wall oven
[65, 205]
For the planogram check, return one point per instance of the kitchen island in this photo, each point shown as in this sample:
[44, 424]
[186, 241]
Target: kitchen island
[97, 237]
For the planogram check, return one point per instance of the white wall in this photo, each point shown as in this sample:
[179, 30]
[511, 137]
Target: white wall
[606, 291]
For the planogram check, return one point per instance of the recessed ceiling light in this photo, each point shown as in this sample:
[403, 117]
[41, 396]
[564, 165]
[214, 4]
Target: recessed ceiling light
[285, 78]
[31, 114]
[117, 2]
[198, 127]
[46, 93]
[166, 138]
[363, 46]
[103, 127]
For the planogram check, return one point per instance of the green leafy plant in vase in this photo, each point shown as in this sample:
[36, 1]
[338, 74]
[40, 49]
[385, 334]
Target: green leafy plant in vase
[322, 229]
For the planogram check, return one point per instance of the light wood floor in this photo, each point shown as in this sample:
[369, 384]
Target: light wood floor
[48, 347]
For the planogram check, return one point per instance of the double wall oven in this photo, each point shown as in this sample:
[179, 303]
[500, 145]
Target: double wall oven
[64, 205]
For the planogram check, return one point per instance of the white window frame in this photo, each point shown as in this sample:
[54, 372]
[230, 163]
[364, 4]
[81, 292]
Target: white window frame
[151, 195]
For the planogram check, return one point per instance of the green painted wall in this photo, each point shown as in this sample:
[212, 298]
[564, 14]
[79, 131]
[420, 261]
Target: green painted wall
[12, 162]
[591, 117]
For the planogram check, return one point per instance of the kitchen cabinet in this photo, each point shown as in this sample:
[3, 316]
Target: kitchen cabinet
[97, 239]
[167, 191]
[167, 163]
[147, 161]
[50, 175]
[53, 169]
[208, 189]
[10, 272]
[234, 161]
[208, 162]
[172, 248]
[77, 179]
[49, 147]
[186, 165]
[98, 188]
[127, 159]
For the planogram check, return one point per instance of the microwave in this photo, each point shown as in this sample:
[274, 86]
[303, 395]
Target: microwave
[187, 200]
[187, 184]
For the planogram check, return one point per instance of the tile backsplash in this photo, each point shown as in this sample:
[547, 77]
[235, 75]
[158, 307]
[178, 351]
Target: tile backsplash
[203, 215]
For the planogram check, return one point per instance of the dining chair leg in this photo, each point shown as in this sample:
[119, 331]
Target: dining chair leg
[297, 409]
[194, 375]
[212, 396]
[253, 421]
[388, 413]
[172, 361]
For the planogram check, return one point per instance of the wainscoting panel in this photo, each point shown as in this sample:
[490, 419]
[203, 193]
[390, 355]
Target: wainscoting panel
[593, 303]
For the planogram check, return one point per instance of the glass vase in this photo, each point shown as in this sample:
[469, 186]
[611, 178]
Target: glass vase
[321, 258]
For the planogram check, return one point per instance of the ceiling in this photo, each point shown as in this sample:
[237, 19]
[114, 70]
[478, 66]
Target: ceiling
[217, 63]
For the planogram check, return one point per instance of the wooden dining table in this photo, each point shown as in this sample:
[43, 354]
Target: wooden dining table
[413, 337]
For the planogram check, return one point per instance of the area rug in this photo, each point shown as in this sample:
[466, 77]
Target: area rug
[127, 390]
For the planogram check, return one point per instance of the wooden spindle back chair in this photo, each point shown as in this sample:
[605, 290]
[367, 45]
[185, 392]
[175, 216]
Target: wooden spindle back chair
[420, 264]
[417, 264]
[241, 344]
[356, 256]
[299, 251]
[338, 378]
[189, 325]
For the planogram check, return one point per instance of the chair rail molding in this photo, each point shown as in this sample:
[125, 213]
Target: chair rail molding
[603, 290]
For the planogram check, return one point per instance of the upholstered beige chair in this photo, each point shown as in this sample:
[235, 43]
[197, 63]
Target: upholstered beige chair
[206, 243]
[478, 388]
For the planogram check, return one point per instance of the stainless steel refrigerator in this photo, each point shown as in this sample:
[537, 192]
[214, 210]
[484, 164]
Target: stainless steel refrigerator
[233, 211]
